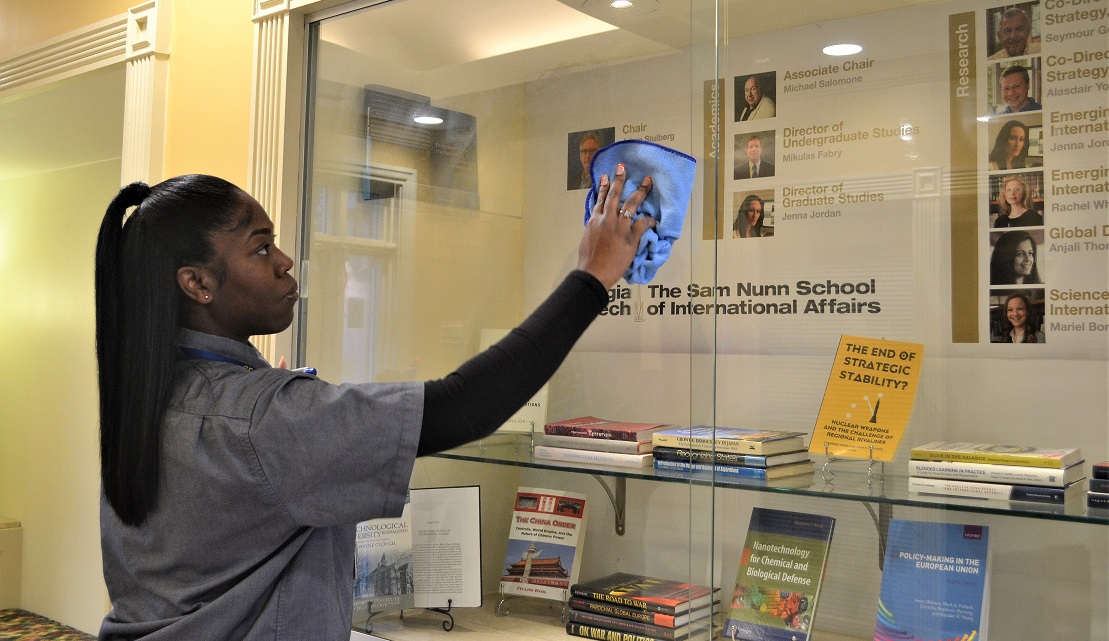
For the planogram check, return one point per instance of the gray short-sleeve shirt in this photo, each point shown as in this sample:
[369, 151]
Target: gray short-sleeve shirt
[265, 474]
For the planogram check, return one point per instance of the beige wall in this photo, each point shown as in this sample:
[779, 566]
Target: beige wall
[208, 115]
[49, 474]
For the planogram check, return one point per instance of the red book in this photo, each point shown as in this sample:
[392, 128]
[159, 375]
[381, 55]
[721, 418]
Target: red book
[593, 427]
[645, 593]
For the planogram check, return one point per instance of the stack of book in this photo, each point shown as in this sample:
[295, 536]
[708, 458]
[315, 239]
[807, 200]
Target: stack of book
[597, 441]
[732, 452]
[1098, 495]
[636, 607]
[990, 471]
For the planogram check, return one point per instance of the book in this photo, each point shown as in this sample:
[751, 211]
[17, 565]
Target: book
[383, 565]
[991, 473]
[739, 471]
[730, 439]
[646, 593]
[996, 491]
[589, 456]
[1097, 500]
[1100, 470]
[543, 554]
[780, 573]
[659, 619]
[595, 444]
[608, 634]
[533, 415]
[399, 562]
[800, 481]
[602, 428]
[934, 582]
[729, 458]
[1099, 485]
[648, 630]
[996, 454]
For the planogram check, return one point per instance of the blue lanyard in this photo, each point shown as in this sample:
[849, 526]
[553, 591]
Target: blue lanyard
[205, 355]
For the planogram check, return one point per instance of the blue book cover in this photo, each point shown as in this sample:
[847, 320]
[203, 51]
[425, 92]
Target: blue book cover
[934, 582]
[735, 471]
[779, 577]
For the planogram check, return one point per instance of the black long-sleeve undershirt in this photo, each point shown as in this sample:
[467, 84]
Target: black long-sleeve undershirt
[485, 391]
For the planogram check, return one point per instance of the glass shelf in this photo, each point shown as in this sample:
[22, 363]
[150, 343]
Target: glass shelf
[849, 483]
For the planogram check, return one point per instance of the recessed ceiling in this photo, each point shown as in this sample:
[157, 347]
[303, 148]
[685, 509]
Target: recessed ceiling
[520, 38]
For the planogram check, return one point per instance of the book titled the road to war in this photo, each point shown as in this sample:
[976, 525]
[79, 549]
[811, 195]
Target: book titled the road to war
[934, 582]
[646, 593]
[603, 428]
[779, 577]
[592, 606]
[542, 558]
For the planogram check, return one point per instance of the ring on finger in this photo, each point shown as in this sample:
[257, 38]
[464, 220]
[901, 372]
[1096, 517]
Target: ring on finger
[627, 214]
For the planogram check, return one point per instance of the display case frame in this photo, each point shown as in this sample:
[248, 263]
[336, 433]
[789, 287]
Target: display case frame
[755, 368]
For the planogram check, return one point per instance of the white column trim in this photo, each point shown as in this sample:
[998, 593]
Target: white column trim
[269, 149]
[144, 111]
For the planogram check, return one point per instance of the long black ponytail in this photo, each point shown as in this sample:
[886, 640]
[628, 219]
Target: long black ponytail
[137, 315]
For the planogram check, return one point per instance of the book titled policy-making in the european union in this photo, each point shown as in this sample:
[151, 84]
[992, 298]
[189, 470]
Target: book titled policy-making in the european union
[934, 582]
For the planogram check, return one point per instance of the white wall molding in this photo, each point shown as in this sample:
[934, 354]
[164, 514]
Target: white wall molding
[86, 49]
[139, 38]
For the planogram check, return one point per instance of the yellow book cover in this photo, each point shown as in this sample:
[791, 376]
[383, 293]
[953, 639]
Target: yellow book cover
[869, 398]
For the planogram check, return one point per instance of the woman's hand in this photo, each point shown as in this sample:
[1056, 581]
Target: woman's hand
[612, 236]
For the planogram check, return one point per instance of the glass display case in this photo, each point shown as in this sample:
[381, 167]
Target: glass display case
[875, 193]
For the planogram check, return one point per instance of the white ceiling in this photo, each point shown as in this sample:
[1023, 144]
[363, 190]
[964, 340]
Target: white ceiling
[425, 35]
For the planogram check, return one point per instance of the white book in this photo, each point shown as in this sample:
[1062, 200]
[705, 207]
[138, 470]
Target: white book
[570, 455]
[992, 473]
[996, 491]
[400, 562]
[594, 444]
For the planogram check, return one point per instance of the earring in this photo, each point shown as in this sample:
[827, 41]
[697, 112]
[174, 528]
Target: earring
[206, 297]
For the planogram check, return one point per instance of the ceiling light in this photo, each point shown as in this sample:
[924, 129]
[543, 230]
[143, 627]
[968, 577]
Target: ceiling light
[842, 50]
[428, 120]
[621, 4]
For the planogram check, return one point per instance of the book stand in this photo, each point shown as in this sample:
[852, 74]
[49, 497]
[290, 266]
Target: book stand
[448, 625]
[828, 475]
[502, 604]
[882, 517]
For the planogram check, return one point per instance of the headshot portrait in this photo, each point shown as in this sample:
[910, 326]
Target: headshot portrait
[1013, 31]
[753, 216]
[1016, 142]
[1015, 88]
[1015, 201]
[754, 155]
[755, 95]
[1016, 316]
[580, 148]
[1014, 259]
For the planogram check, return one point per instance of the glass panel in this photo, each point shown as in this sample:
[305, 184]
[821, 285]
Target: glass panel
[425, 234]
[943, 187]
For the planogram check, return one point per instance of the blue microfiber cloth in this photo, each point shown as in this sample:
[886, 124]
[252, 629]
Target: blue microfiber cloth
[671, 174]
